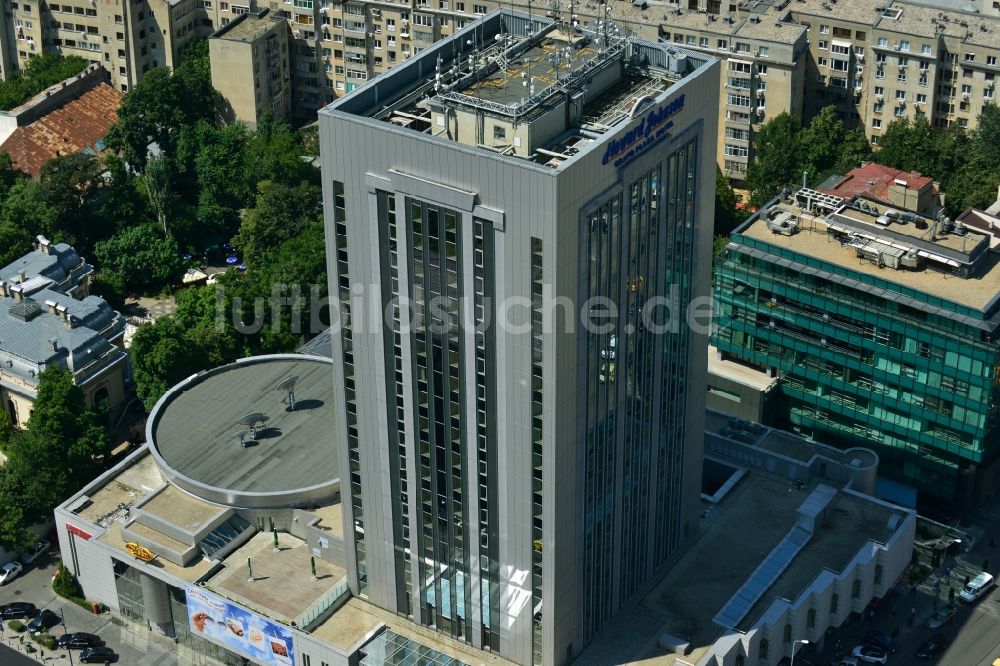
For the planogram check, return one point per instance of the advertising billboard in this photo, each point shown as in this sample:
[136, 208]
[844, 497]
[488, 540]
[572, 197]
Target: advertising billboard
[226, 624]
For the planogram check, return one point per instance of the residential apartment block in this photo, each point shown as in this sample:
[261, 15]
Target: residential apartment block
[514, 485]
[883, 330]
[250, 66]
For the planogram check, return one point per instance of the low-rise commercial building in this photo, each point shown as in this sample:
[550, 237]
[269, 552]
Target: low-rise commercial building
[815, 548]
[47, 317]
[882, 328]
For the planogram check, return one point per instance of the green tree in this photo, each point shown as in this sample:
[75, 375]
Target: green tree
[726, 215]
[221, 168]
[821, 144]
[140, 259]
[854, 150]
[281, 213]
[61, 449]
[161, 357]
[777, 158]
[41, 72]
[986, 137]
[909, 144]
[156, 181]
[162, 104]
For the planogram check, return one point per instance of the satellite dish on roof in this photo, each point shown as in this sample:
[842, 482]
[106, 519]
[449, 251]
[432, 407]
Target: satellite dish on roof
[288, 386]
[242, 436]
[252, 420]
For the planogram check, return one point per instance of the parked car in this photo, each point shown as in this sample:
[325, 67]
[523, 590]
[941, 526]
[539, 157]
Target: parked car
[98, 655]
[942, 617]
[17, 610]
[44, 620]
[79, 640]
[845, 661]
[9, 572]
[932, 646]
[36, 551]
[870, 654]
[880, 639]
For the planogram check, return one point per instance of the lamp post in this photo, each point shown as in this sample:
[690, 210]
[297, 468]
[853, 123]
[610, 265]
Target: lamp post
[62, 617]
[803, 641]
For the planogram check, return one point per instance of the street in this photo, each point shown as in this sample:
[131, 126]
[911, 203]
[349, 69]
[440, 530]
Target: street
[34, 585]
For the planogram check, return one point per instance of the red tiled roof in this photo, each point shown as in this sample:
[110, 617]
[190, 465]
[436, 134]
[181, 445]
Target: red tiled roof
[873, 181]
[70, 129]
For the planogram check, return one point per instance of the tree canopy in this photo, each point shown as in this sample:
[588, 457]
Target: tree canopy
[784, 151]
[163, 103]
[41, 72]
[964, 163]
[62, 448]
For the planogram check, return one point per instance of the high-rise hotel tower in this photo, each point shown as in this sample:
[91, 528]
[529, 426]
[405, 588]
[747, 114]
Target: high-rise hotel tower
[513, 477]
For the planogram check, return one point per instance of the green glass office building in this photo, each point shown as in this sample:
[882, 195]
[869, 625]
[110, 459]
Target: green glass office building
[882, 328]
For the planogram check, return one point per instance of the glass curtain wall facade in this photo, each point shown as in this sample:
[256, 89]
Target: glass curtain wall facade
[640, 244]
[860, 367]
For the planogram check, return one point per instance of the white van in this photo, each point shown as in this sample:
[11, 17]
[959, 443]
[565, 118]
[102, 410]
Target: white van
[976, 588]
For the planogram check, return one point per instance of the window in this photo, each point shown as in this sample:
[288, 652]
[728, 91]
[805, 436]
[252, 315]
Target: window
[824, 29]
[991, 60]
[876, 123]
[737, 133]
[499, 132]
[823, 45]
[879, 91]
[900, 94]
[762, 70]
[856, 589]
[762, 652]
[722, 44]
[843, 33]
[738, 100]
[904, 45]
[970, 57]
[763, 51]
[879, 72]
[736, 151]
[743, 67]
[742, 47]
[901, 77]
[925, 49]
[834, 598]
[810, 619]
[860, 36]
[822, 62]
[703, 42]
[921, 98]
[478, 9]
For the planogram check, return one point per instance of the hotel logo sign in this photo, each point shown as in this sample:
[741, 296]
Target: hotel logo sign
[651, 128]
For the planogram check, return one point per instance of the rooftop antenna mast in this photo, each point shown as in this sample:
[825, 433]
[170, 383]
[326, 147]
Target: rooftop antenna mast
[288, 385]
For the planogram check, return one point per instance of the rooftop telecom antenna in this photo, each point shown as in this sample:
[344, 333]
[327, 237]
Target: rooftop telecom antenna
[288, 386]
[253, 420]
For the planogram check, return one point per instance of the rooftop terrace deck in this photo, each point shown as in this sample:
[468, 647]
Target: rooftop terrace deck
[283, 587]
[129, 487]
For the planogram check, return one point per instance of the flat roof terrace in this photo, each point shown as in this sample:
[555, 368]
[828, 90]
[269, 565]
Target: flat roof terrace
[129, 487]
[814, 240]
[293, 461]
[282, 588]
[555, 55]
[757, 516]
